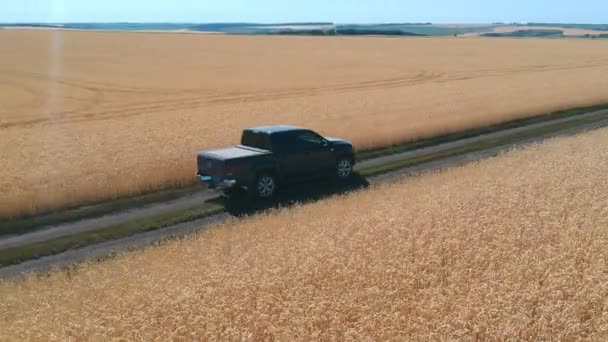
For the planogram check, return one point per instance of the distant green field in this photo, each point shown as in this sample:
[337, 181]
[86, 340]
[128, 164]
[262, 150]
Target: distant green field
[310, 28]
[323, 28]
[419, 29]
[597, 27]
[527, 33]
[230, 28]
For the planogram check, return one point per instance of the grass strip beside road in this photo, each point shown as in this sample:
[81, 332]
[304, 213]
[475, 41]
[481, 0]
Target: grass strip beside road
[31, 223]
[470, 133]
[477, 146]
[58, 245]
[37, 250]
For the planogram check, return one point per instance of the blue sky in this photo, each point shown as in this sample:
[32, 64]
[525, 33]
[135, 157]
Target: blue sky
[339, 11]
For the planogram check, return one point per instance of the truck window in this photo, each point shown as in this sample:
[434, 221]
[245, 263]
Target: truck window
[310, 137]
[284, 142]
[308, 140]
[256, 139]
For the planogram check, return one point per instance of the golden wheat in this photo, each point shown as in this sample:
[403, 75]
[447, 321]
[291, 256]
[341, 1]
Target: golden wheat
[92, 115]
[514, 247]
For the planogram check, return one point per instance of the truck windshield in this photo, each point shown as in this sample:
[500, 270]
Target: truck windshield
[256, 139]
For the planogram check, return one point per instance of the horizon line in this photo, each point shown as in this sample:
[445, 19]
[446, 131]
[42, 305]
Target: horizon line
[296, 22]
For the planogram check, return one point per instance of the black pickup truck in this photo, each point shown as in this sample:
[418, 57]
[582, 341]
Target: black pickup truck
[274, 155]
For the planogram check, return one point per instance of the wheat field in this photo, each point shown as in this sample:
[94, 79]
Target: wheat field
[509, 248]
[86, 116]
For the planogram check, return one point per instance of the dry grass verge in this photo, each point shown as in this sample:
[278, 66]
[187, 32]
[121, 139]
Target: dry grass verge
[511, 247]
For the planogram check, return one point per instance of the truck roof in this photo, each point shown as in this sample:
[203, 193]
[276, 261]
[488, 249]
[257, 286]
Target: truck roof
[274, 129]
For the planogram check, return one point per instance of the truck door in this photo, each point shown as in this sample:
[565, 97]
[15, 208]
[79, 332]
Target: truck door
[301, 154]
[316, 155]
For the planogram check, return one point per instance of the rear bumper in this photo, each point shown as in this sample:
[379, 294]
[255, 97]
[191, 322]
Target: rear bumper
[222, 184]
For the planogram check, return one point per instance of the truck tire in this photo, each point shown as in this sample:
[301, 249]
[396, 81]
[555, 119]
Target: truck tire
[264, 186]
[344, 168]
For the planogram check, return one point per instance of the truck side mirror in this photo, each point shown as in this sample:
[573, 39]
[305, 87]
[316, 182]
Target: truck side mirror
[324, 143]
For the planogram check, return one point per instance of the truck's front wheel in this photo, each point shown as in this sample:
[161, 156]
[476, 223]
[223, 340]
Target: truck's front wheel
[344, 168]
[265, 186]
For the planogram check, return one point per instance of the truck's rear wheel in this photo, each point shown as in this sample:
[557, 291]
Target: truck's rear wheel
[344, 168]
[265, 186]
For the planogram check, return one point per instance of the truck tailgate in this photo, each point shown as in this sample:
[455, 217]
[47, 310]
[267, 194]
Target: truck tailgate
[209, 166]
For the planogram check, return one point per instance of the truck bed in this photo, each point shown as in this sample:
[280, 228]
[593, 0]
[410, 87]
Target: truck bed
[238, 151]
